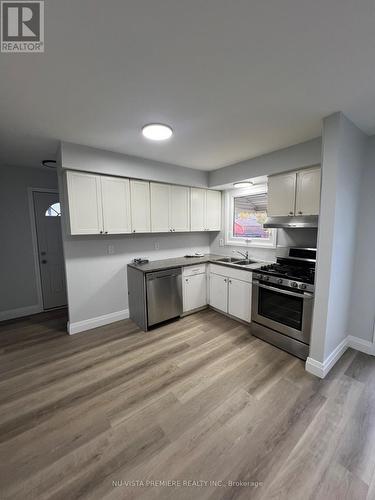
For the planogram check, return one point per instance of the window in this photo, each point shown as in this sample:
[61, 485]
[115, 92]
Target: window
[246, 212]
[54, 210]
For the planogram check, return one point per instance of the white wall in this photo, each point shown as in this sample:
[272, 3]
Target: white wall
[97, 282]
[77, 157]
[18, 288]
[342, 162]
[362, 308]
[298, 156]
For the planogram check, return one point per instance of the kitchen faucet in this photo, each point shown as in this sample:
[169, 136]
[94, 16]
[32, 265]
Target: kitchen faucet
[245, 255]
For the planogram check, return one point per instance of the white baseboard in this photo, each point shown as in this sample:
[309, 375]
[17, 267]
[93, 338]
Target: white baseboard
[321, 369]
[361, 345]
[89, 324]
[20, 312]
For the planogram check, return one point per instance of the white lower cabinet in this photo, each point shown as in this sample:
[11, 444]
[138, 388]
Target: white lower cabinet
[230, 294]
[219, 292]
[239, 299]
[194, 292]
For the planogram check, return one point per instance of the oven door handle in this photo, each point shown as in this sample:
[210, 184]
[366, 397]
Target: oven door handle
[303, 295]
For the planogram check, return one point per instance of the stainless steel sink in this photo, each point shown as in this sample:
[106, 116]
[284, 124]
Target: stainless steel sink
[245, 262]
[231, 260]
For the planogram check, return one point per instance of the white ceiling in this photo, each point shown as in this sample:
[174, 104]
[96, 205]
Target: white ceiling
[235, 79]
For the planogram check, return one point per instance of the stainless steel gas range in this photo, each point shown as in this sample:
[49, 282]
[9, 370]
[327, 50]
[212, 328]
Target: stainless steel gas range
[283, 301]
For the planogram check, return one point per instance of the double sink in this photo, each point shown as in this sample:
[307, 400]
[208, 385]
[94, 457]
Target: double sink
[238, 262]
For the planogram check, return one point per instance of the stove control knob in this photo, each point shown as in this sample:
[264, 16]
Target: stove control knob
[302, 286]
[294, 284]
[266, 278]
[280, 281]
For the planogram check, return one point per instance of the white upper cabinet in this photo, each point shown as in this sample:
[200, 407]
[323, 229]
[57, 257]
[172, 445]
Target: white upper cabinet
[140, 206]
[101, 204]
[308, 192]
[169, 208]
[281, 194]
[116, 205]
[159, 207]
[179, 213]
[294, 193]
[213, 210]
[85, 203]
[198, 209]
[205, 210]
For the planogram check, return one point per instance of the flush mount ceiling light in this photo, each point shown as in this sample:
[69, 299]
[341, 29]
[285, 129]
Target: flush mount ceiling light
[157, 131]
[243, 184]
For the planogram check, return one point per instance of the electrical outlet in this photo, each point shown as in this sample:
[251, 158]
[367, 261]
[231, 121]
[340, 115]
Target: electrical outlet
[156, 245]
[111, 249]
[221, 242]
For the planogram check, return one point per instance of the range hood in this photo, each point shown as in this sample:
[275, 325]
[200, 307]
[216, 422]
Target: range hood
[293, 221]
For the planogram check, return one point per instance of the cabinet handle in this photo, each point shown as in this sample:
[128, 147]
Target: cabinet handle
[290, 213]
[300, 212]
[230, 281]
[187, 281]
[106, 232]
[101, 232]
[133, 230]
[225, 280]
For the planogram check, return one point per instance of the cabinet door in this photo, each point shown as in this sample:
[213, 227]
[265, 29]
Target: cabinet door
[85, 203]
[219, 292]
[239, 299]
[159, 207]
[116, 205]
[213, 210]
[197, 209]
[179, 215]
[140, 206]
[281, 194]
[194, 292]
[308, 192]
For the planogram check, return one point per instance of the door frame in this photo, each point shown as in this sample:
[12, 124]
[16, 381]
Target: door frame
[34, 238]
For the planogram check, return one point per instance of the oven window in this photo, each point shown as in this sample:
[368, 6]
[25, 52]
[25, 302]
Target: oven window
[281, 308]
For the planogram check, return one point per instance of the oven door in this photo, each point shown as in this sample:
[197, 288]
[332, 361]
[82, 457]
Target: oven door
[283, 310]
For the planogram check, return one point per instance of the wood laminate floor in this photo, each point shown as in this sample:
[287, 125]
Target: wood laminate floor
[117, 413]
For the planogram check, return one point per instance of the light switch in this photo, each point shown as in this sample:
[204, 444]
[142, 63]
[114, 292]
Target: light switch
[111, 249]
[221, 242]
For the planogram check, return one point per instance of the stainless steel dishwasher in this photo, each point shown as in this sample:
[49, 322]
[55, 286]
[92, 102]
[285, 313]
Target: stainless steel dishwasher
[164, 295]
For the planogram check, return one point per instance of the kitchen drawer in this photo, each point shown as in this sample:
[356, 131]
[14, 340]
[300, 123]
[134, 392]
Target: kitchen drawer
[192, 270]
[231, 272]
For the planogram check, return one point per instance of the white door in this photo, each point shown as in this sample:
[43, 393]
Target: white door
[308, 192]
[197, 209]
[50, 250]
[179, 213]
[213, 210]
[159, 207]
[116, 205]
[140, 206]
[281, 194]
[85, 203]
[239, 299]
[194, 292]
[219, 292]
